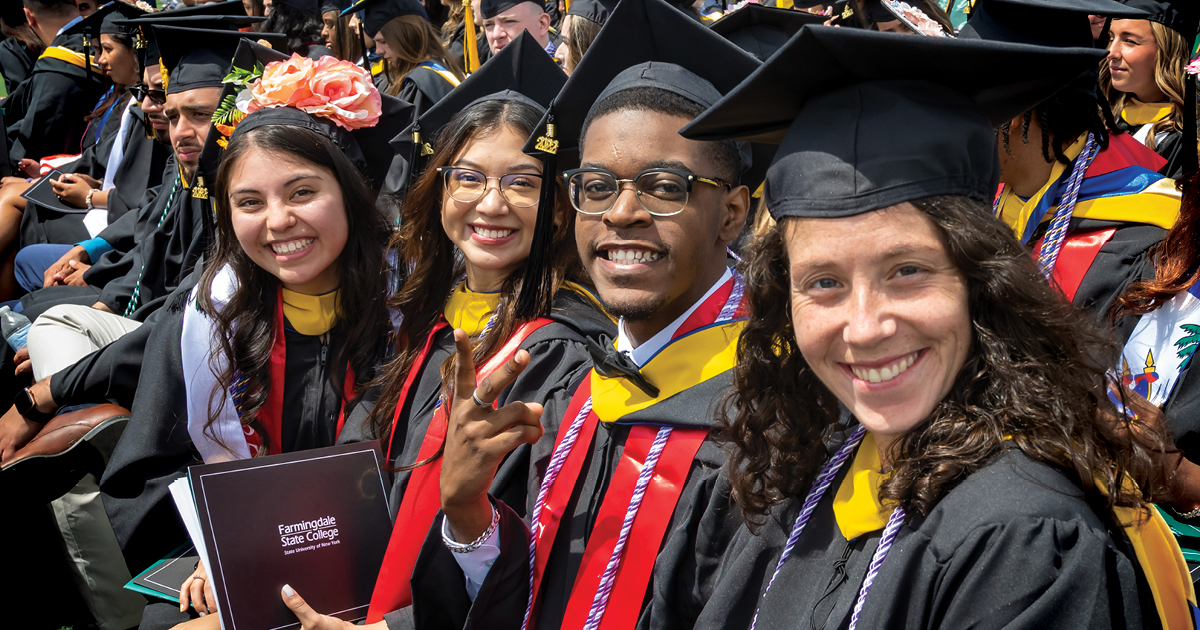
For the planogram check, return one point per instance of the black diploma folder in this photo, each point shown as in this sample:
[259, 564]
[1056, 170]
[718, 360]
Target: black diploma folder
[317, 520]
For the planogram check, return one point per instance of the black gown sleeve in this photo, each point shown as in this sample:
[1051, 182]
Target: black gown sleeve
[1124, 259]
[53, 122]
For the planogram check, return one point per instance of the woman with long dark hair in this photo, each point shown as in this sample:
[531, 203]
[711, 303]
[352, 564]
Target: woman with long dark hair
[471, 227]
[303, 25]
[273, 347]
[984, 475]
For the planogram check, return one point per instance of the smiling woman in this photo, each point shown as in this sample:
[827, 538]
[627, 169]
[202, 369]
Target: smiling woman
[922, 433]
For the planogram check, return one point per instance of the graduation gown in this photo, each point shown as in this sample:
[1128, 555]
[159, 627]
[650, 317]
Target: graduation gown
[1168, 144]
[1124, 209]
[559, 360]
[16, 62]
[155, 448]
[687, 405]
[1012, 546]
[140, 170]
[424, 86]
[45, 115]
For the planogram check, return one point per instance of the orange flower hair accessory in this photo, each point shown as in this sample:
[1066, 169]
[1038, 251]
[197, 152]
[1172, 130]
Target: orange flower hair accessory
[331, 88]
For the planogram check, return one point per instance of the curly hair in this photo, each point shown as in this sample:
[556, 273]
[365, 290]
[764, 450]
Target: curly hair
[1035, 380]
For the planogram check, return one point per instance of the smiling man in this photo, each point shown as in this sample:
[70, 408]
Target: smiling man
[503, 21]
[655, 214]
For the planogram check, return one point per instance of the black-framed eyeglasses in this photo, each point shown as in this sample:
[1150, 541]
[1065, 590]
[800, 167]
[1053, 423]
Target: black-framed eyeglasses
[662, 192]
[468, 186]
[141, 92]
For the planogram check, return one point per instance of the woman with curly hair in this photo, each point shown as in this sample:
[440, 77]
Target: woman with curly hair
[983, 477]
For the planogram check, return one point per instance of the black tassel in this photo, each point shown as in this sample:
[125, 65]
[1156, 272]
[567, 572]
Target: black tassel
[539, 272]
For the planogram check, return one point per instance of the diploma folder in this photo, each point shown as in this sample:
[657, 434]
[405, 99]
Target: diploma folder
[317, 520]
[42, 193]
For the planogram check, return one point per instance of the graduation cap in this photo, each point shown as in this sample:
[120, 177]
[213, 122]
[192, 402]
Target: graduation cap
[1181, 16]
[195, 58]
[867, 120]
[110, 19]
[376, 13]
[306, 7]
[688, 59]
[491, 8]
[328, 6]
[761, 30]
[1042, 22]
[521, 71]
[594, 10]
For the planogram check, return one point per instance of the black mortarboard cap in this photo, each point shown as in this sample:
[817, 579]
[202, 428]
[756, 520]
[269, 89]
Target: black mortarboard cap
[198, 58]
[306, 7]
[492, 8]
[594, 10]
[688, 59]
[376, 13]
[866, 120]
[521, 71]
[334, 5]
[1041, 22]
[761, 30]
[1182, 16]
[110, 19]
[231, 7]
[210, 22]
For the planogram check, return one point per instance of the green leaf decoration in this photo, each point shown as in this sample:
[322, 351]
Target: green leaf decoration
[225, 113]
[1187, 345]
[242, 77]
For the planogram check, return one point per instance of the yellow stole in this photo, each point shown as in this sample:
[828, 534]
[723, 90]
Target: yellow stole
[858, 511]
[1138, 113]
[70, 56]
[311, 315]
[470, 310]
[1157, 205]
[683, 363]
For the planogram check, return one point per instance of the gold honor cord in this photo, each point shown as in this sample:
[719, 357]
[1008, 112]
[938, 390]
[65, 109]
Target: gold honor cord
[470, 52]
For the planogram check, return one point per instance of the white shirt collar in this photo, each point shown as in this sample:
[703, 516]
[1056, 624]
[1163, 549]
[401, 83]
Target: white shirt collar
[651, 346]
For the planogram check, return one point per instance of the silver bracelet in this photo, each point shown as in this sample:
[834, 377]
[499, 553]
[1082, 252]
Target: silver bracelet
[457, 547]
[88, 200]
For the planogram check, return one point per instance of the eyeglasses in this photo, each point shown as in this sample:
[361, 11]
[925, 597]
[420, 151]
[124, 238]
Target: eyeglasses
[662, 192]
[466, 185]
[141, 92]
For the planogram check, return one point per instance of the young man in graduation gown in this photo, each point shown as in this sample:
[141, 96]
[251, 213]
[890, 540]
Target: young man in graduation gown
[1011, 542]
[652, 393]
[1093, 243]
[45, 114]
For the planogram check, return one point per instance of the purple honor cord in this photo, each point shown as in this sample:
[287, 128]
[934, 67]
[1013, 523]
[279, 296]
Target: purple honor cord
[1057, 231]
[820, 485]
[608, 579]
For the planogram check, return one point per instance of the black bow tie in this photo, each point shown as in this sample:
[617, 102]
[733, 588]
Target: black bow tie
[613, 364]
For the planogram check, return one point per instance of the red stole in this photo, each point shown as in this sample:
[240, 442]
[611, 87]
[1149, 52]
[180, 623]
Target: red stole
[1079, 251]
[422, 497]
[653, 516]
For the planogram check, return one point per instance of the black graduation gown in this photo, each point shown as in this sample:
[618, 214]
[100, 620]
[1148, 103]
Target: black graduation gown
[45, 115]
[1013, 546]
[135, 236]
[1170, 147]
[155, 448]
[559, 361]
[16, 62]
[423, 87]
[141, 169]
[439, 593]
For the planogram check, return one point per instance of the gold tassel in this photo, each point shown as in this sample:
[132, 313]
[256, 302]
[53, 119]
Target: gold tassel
[470, 51]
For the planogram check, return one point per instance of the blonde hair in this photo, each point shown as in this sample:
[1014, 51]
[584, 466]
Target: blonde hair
[413, 40]
[1169, 75]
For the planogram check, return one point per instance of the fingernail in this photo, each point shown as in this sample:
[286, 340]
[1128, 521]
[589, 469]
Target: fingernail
[287, 590]
[202, 613]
